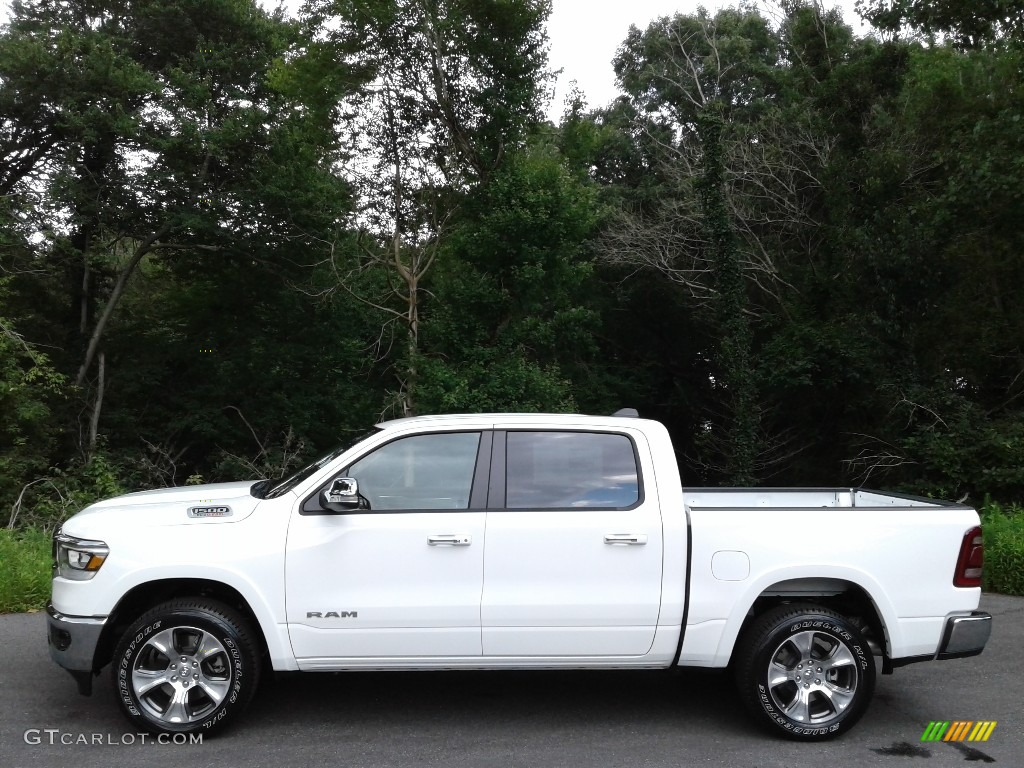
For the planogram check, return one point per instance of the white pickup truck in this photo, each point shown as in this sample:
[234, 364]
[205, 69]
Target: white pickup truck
[510, 541]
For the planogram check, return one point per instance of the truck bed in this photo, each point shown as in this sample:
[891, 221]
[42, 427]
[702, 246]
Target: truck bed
[804, 498]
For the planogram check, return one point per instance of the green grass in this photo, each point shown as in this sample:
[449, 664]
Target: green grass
[25, 576]
[1004, 548]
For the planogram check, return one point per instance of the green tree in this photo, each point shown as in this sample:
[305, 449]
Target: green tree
[968, 23]
[701, 96]
[513, 314]
[165, 197]
[452, 87]
[173, 137]
[29, 386]
[945, 257]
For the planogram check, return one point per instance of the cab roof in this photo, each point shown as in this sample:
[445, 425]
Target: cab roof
[553, 419]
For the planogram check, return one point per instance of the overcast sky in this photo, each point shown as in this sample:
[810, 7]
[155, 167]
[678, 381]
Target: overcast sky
[585, 34]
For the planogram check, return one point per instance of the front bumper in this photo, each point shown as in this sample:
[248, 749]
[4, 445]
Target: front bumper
[965, 635]
[73, 641]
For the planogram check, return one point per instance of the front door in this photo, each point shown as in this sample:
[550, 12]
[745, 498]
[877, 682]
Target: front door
[573, 564]
[402, 577]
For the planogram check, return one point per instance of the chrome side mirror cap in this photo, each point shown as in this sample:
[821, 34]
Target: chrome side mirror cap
[342, 495]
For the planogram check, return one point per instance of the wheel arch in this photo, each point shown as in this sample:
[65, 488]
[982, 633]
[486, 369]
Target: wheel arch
[845, 594]
[146, 595]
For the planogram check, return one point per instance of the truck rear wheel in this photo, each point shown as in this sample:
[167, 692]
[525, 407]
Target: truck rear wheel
[805, 672]
[187, 666]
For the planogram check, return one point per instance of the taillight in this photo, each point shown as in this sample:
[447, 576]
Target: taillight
[971, 560]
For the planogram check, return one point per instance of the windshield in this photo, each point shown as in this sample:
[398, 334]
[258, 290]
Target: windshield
[271, 489]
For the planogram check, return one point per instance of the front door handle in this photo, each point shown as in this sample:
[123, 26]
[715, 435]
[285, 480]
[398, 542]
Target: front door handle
[627, 539]
[450, 540]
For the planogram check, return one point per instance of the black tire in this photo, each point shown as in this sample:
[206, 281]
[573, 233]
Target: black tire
[212, 645]
[804, 672]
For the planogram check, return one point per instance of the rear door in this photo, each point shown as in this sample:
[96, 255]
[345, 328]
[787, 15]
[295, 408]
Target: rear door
[573, 560]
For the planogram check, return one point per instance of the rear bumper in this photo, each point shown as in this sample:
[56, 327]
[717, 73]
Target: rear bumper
[72, 641]
[965, 635]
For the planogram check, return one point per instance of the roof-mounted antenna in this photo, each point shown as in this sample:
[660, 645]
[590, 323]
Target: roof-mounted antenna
[627, 413]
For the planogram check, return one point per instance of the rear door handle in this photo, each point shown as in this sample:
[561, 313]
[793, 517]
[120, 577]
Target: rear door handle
[628, 539]
[450, 540]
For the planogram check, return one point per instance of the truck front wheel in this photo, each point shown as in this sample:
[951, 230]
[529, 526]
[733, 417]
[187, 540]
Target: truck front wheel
[187, 666]
[805, 672]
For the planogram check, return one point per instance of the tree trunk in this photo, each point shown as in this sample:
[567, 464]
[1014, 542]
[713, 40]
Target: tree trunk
[94, 420]
[735, 348]
[115, 296]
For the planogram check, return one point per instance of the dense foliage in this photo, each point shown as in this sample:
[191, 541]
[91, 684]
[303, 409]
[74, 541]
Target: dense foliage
[229, 240]
[1004, 548]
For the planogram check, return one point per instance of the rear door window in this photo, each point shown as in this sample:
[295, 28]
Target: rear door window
[570, 470]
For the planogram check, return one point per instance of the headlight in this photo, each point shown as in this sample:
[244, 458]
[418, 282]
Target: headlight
[77, 559]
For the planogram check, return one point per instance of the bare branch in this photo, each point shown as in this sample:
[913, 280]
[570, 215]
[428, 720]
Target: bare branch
[16, 506]
[263, 450]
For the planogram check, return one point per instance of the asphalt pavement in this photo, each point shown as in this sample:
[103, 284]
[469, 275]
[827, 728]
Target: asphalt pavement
[515, 719]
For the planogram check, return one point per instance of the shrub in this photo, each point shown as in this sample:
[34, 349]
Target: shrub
[1004, 548]
[53, 498]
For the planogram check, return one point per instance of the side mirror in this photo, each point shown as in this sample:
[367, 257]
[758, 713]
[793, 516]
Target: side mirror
[342, 495]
